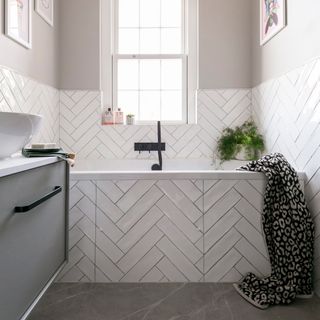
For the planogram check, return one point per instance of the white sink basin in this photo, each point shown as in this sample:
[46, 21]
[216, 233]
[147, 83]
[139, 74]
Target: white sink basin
[16, 131]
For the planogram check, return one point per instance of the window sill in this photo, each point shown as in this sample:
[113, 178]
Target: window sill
[144, 124]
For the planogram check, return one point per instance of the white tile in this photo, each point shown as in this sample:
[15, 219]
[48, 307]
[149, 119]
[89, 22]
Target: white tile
[87, 227]
[220, 270]
[223, 246]
[108, 247]
[250, 193]
[219, 210]
[189, 189]
[75, 235]
[170, 271]
[87, 268]
[220, 228]
[140, 249]
[107, 267]
[143, 266]
[143, 205]
[179, 240]
[217, 191]
[154, 275]
[108, 207]
[108, 227]
[110, 189]
[179, 260]
[134, 194]
[139, 229]
[179, 219]
[179, 199]
[87, 247]
[88, 208]
[250, 213]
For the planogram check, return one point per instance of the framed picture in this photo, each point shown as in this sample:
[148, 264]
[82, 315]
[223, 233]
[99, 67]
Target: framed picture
[46, 10]
[18, 21]
[273, 18]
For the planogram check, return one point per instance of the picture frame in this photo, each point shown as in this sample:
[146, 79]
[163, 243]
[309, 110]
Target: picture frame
[273, 19]
[18, 21]
[45, 9]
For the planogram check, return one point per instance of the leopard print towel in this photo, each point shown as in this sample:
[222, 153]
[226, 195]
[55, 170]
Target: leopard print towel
[289, 233]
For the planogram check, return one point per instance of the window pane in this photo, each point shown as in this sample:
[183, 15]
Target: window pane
[129, 13]
[150, 74]
[150, 13]
[149, 41]
[128, 75]
[149, 105]
[171, 74]
[171, 13]
[128, 101]
[171, 105]
[128, 41]
[171, 40]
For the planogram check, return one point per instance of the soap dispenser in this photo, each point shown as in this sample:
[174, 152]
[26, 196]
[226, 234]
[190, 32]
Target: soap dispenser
[108, 118]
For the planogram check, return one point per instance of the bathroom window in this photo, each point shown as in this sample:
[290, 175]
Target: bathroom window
[150, 60]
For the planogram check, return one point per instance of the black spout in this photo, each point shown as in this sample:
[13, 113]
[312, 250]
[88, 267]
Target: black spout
[158, 167]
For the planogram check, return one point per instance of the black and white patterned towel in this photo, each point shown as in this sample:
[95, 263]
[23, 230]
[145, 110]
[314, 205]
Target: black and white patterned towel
[289, 233]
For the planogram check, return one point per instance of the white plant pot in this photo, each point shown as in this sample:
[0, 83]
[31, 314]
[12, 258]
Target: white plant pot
[241, 155]
[130, 121]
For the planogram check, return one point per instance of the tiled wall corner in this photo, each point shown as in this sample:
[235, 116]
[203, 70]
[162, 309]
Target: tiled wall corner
[82, 133]
[21, 94]
[287, 110]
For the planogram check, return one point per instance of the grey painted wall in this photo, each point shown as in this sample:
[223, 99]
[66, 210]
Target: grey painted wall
[225, 44]
[291, 48]
[41, 62]
[79, 43]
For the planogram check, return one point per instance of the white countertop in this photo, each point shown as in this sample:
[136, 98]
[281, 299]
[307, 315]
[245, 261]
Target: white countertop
[18, 163]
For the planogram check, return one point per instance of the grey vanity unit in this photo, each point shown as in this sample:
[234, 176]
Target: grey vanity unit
[33, 232]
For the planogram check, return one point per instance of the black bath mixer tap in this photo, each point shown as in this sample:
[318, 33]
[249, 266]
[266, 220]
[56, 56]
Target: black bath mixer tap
[151, 146]
[158, 167]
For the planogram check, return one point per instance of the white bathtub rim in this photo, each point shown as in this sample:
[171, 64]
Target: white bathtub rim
[171, 175]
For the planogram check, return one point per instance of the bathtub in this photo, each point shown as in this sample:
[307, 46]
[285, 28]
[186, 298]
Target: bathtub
[138, 169]
[188, 223]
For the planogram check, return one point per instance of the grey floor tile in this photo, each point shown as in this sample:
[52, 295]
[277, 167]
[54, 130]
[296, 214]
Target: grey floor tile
[160, 302]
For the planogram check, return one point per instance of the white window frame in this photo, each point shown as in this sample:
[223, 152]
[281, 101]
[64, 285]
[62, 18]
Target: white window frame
[109, 57]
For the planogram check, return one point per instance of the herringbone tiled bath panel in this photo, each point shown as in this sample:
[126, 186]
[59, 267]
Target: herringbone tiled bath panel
[21, 94]
[287, 110]
[165, 230]
[82, 133]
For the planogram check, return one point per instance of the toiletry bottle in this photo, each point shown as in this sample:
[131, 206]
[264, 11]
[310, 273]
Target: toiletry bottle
[108, 118]
[119, 117]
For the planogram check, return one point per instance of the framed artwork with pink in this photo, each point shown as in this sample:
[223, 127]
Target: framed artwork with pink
[18, 21]
[273, 18]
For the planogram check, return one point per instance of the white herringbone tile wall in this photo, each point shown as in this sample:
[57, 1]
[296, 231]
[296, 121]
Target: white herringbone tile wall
[165, 230]
[81, 131]
[21, 94]
[287, 110]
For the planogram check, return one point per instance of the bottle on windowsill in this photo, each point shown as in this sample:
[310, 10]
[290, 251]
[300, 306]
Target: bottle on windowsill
[108, 117]
[119, 117]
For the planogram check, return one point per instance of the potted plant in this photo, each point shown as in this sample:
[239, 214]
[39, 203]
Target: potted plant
[130, 119]
[242, 143]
